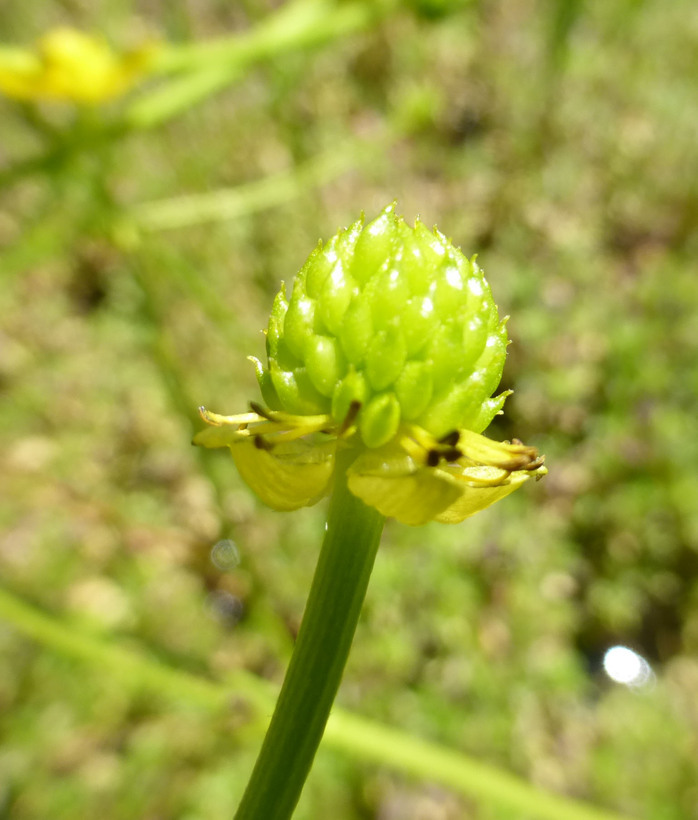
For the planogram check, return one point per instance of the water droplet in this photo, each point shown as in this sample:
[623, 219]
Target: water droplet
[225, 555]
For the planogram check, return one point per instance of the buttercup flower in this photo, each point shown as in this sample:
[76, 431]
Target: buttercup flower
[71, 65]
[390, 344]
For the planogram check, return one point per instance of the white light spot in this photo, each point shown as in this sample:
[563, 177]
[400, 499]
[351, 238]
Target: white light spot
[427, 306]
[627, 667]
[474, 324]
[438, 248]
[453, 278]
[337, 275]
[475, 286]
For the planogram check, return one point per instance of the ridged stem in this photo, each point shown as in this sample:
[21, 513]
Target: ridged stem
[315, 671]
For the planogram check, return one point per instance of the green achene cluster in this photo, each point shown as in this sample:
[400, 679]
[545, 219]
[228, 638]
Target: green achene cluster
[394, 320]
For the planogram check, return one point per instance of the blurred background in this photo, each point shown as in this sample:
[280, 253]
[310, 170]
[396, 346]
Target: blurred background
[142, 239]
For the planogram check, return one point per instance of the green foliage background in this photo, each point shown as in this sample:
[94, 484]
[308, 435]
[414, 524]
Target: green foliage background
[557, 140]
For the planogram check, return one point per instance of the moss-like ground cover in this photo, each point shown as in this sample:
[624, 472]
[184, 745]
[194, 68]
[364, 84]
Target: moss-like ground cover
[557, 140]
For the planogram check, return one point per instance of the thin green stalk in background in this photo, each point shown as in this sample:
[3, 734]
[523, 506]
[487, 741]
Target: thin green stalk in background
[242, 200]
[298, 25]
[320, 655]
[361, 738]
[201, 70]
[212, 66]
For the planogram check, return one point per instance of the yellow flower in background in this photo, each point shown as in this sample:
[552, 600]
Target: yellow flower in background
[71, 65]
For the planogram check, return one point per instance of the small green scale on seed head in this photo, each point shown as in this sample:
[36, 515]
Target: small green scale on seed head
[395, 320]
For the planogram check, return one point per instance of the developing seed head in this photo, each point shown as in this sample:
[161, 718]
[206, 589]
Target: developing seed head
[394, 320]
[390, 339]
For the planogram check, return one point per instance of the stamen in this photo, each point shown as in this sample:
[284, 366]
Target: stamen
[414, 450]
[219, 421]
[260, 411]
[433, 458]
[283, 419]
[422, 437]
[452, 454]
[350, 417]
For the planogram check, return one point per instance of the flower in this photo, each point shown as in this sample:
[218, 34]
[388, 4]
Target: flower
[390, 344]
[71, 65]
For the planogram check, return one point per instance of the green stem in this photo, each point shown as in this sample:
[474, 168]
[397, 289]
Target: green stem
[300, 24]
[211, 66]
[329, 622]
[232, 203]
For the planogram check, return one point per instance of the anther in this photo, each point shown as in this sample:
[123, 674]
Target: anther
[433, 458]
[259, 410]
[350, 417]
[451, 439]
[451, 455]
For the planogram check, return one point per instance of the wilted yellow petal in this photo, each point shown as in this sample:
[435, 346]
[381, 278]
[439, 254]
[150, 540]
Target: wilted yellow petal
[502, 454]
[389, 480]
[290, 475]
[400, 487]
[477, 496]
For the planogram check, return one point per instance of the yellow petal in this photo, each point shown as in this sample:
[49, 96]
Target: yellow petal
[389, 480]
[291, 475]
[476, 496]
[399, 487]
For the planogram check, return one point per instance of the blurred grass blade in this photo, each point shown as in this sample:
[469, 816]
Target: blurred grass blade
[231, 203]
[361, 738]
[296, 25]
[180, 94]
[214, 65]
[564, 16]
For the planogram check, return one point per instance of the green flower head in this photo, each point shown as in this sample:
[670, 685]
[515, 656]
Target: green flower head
[390, 343]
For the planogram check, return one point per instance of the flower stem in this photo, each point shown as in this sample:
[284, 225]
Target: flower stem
[315, 671]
